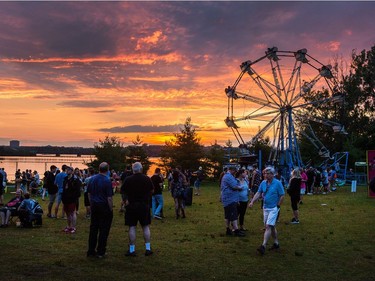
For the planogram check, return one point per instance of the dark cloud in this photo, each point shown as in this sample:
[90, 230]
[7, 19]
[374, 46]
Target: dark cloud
[84, 104]
[210, 38]
[53, 29]
[144, 129]
[105, 111]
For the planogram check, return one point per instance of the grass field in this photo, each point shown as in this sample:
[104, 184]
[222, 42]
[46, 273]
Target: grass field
[334, 241]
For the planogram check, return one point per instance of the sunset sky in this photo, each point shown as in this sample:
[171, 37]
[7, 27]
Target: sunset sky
[73, 72]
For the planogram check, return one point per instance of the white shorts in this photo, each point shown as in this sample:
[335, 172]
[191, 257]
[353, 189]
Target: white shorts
[270, 216]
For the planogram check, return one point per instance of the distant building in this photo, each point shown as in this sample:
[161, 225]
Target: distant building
[14, 143]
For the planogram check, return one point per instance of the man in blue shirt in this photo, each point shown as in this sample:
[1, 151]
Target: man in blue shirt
[273, 193]
[229, 198]
[59, 181]
[100, 194]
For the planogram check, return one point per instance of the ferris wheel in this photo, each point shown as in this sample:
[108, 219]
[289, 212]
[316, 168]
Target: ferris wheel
[270, 91]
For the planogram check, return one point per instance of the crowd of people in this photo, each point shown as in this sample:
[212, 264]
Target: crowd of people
[142, 198]
[241, 188]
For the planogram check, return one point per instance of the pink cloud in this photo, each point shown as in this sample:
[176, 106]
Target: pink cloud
[330, 46]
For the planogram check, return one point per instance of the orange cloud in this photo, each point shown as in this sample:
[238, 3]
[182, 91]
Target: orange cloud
[153, 39]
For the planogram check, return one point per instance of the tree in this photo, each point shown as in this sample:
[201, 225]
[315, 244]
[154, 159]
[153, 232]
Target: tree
[137, 153]
[262, 144]
[359, 116]
[110, 150]
[184, 149]
[315, 138]
[213, 164]
[355, 112]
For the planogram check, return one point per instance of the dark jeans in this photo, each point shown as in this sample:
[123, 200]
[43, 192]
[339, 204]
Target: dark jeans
[309, 186]
[241, 209]
[101, 221]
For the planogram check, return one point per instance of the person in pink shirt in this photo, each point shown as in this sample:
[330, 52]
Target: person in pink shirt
[304, 179]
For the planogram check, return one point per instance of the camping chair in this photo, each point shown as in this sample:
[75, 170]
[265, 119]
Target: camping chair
[13, 217]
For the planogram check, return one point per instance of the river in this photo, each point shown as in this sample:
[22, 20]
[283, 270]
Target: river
[41, 163]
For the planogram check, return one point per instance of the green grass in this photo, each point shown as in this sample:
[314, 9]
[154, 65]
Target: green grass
[332, 242]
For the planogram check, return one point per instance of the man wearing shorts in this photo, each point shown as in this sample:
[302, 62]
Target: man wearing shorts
[137, 191]
[273, 193]
[229, 198]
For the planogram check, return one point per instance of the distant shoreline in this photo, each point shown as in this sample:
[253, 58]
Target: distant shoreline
[151, 150]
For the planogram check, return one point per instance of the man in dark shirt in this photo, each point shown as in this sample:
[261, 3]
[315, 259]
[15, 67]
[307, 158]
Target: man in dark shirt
[51, 187]
[137, 190]
[157, 197]
[100, 194]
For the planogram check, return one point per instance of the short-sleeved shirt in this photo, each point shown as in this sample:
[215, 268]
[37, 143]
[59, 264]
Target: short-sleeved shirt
[49, 182]
[271, 193]
[156, 181]
[28, 204]
[59, 181]
[228, 194]
[137, 188]
[100, 188]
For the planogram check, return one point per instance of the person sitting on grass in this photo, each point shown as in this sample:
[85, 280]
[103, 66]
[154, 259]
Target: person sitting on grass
[10, 209]
[30, 211]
